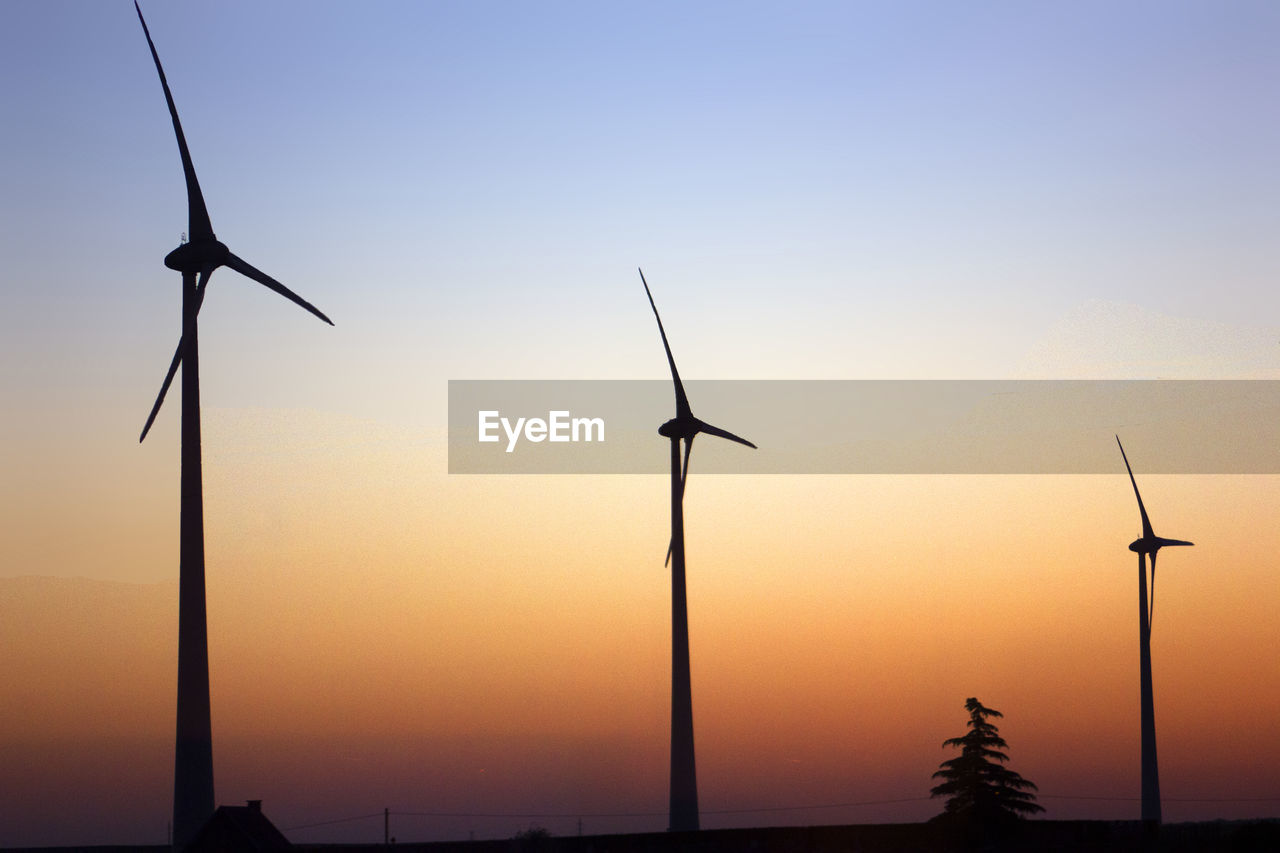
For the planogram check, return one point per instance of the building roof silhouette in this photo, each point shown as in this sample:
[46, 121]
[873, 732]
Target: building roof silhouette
[238, 829]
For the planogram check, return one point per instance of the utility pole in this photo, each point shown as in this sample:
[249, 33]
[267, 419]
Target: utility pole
[386, 825]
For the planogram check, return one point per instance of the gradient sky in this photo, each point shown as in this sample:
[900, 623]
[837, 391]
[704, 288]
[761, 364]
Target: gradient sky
[845, 190]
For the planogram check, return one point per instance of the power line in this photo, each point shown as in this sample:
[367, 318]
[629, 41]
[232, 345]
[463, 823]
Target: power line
[566, 815]
[757, 810]
[336, 820]
[819, 806]
[529, 814]
[1222, 800]
[663, 813]
[1164, 799]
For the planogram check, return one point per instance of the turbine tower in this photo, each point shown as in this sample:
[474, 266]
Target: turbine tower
[683, 814]
[1151, 544]
[193, 801]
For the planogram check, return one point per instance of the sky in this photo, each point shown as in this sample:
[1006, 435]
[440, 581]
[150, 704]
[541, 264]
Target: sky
[815, 191]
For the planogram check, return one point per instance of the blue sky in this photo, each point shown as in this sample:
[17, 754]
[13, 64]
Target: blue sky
[854, 189]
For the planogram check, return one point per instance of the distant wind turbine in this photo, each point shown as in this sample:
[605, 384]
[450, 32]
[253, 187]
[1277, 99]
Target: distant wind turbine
[193, 800]
[684, 777]
[1151, 544]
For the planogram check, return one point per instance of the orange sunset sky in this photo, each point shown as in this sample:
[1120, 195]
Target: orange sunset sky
[836, 191]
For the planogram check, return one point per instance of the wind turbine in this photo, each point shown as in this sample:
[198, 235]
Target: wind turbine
[1151, 544]
[683, 815]
[196, 259]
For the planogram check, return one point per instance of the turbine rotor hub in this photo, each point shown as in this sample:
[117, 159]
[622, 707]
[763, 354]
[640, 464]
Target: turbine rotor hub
[1141, 546]
[679, 428]
[197, 255]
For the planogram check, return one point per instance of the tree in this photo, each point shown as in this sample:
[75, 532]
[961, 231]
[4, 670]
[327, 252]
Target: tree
[533, 838]
[979, 787]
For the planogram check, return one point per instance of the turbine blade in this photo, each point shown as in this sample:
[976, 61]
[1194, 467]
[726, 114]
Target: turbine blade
[703, 426]
[684, 471]
[1142, 582]
[1147, 533]
[262, 278]
[177, 356]
[682, 401]
[1151, 607]
[164, 389]
[1166, 542]
[684, 478]
[198, 226]
[205, 275]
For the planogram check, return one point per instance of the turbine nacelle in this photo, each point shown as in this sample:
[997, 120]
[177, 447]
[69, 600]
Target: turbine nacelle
[677, 428]
[683, 426]
[1151, 546]
[687, 426]
[197, 255]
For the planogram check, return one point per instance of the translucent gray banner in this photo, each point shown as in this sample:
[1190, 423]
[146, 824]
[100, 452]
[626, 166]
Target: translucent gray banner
[869, 427]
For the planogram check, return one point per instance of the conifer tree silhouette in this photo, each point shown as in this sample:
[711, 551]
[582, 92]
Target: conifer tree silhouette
[978, 785]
